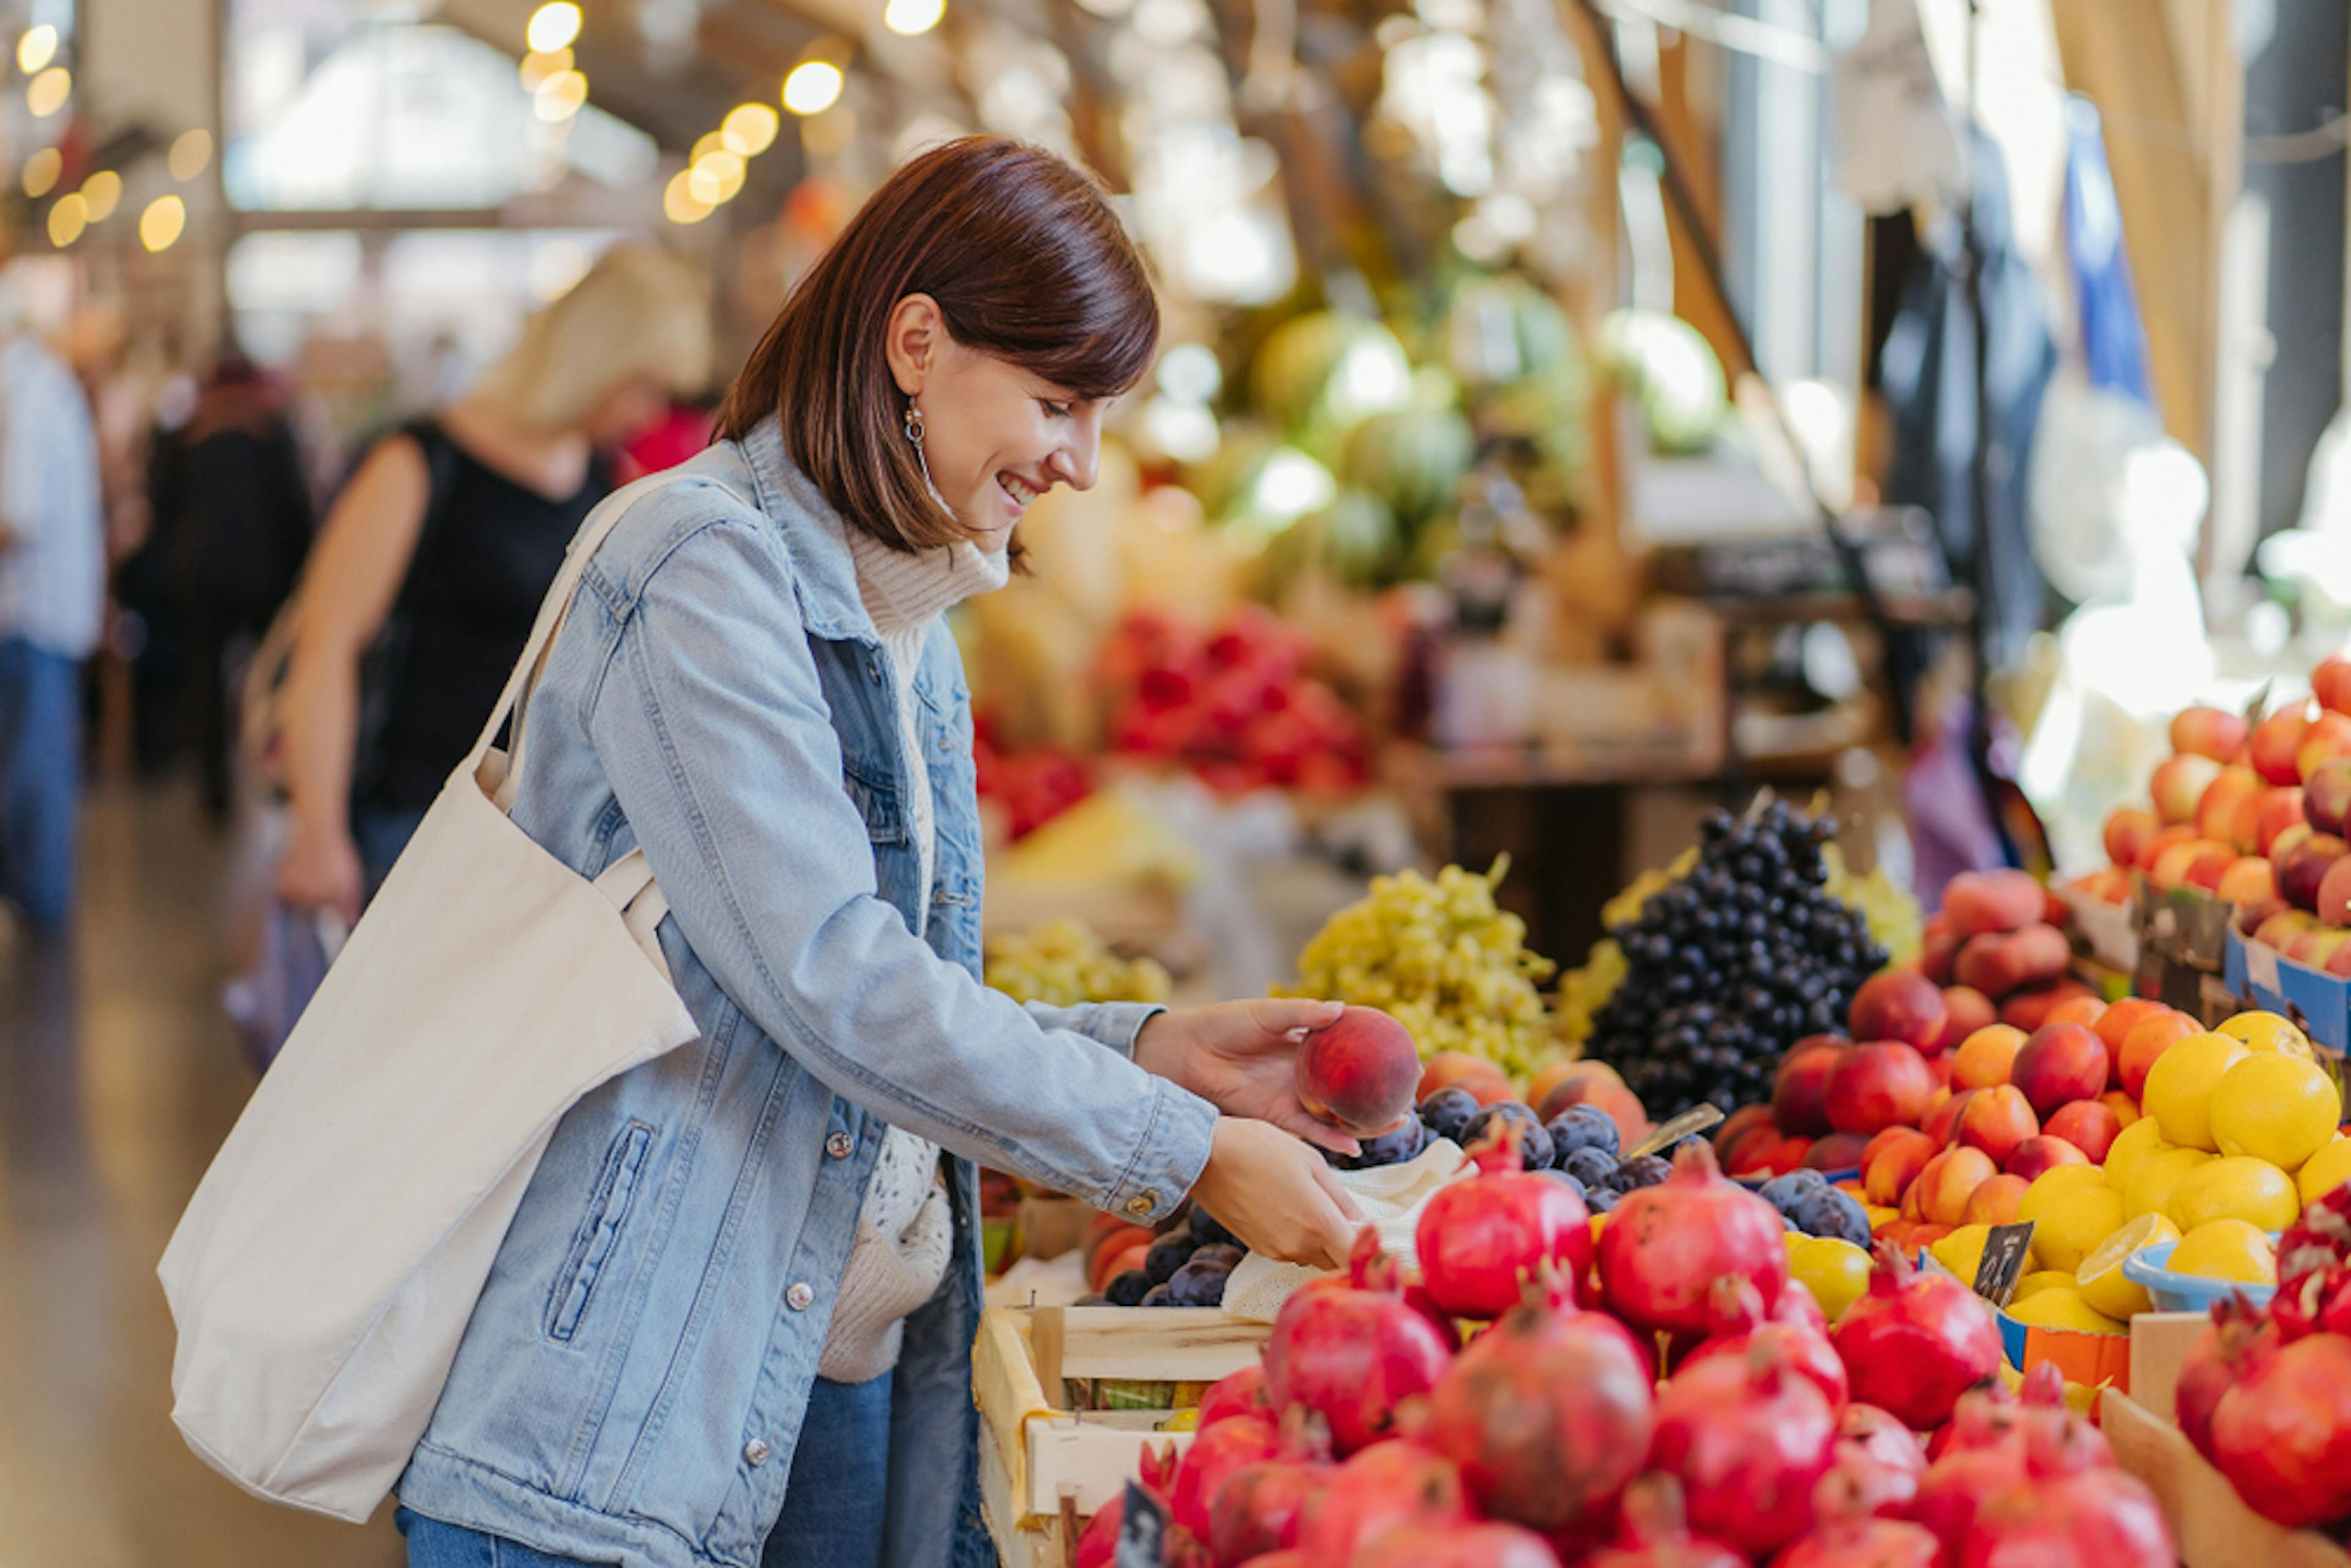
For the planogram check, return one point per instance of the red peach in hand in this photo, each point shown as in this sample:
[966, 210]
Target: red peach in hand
[1889, 1174]
[1359, 1071]
[2090, 1126]
[2129, 830]
[2209, 732]
[1996, 1120]
[1991, 901]
[1986, 1057]
[1950, 1179]
[2274, 742]
[2147, 1041]
[2061, 1062]
[1899, 1005]
[1881, 1084]
[2035, 1157]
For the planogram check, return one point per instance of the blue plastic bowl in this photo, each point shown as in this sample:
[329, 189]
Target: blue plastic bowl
[2185, 1292]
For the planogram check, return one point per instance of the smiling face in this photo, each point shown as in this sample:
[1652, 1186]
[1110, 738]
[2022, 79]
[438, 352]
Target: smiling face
[994, 435]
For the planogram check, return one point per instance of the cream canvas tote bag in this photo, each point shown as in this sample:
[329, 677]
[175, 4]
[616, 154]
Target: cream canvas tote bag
[326, 1268]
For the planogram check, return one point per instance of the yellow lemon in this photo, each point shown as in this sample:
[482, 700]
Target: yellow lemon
[2060, 1307]
[2325, 1171]
[2267, 1031]
[2041, 1279]
[2226, 1250]
[1962, 1250]
[1836, 1272]
[2235, 1187]
[2101, 1275]
[2131, 1145]
[2075, 1224]
[2150, 1187]
[1182, 1421]
[2180, 1087]
[2282, 1109]
[2050, 1186]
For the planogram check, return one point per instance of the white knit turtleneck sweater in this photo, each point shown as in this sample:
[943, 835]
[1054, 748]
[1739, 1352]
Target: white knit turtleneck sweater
[904, 1230]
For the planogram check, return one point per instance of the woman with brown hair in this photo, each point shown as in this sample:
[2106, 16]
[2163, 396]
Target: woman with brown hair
[731, 1322]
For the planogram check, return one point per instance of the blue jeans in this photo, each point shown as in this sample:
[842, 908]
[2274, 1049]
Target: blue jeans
[40, 781]
[832, 1515]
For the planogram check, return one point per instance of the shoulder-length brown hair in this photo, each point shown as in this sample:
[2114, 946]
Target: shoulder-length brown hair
[1027, 260]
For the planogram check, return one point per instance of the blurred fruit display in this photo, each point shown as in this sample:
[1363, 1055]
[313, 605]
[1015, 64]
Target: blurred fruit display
[1441, 958]
[1034, 787]
[1063, 964]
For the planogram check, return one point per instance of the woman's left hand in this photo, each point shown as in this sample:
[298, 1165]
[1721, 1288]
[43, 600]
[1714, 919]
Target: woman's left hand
[1241, 1057]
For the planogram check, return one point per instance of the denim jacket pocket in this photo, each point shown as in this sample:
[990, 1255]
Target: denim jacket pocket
[600, 1230]
[876, 801]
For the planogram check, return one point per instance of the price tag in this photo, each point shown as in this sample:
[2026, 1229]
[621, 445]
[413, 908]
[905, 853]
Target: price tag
[2003, 1262]
[1141, 1530]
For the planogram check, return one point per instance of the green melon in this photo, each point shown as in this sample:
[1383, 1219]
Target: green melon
[1412, 460]
[1296, 361]
[1499, 329]
[1353, 540]
[1671, 368]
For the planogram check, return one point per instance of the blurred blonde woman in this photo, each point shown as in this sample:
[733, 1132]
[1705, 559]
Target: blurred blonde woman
[435, 559]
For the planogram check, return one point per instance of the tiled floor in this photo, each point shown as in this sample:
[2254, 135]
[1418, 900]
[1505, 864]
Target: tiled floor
[118, 1076]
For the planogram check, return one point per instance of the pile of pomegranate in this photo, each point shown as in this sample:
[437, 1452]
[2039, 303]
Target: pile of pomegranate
[1372, 1435]
[2266, 1396]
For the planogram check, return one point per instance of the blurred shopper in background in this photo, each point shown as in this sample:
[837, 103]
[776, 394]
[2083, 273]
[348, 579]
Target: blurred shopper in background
[230, 523]
[52, 589]
[433, 559]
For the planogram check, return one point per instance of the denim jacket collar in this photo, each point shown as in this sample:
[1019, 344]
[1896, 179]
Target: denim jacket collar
[820, 549]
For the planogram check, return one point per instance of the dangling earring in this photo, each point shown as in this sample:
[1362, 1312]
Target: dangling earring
[914, 425]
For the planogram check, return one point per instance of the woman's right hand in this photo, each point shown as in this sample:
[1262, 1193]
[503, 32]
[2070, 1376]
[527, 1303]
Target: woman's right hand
[1276, 1194]
[320, 870]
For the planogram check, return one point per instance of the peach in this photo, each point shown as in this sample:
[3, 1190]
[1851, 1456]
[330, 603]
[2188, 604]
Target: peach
[1739, 1122]
[1996, 1120]
[1359, 1071]
[2148, 1040]
[2217, 808]
[2036, 1156]
[2209, 732]
[1986, 1056]
[2331, 683]
[2329, 737]
[2000, 964]
[2326, 798]
[2311, 949]
[2280, 810]
[2304, 869]
[1935, 951]
[1892, 1171]
[2124, 1108]
[1977, 902]
[2178, 833]
[2109, 884]
[1996, 1202]
[2059, 1063]
[2089, 1125]
[1950, 1179]
[2084, 1010]
[1877, 1085]
[2028, 1009]
[1939, 1064]
[1899, 1005]
[1758, 1135]
[2338, 963]
[1448, 1069]
[1882, 1141]
[1550, 1076]
[2114, 1025]
[2128, 832]
[1109, 1265]
[2282, 928]
[2179, 783]
[1769, 1154]
[2292, 839]
[1837, 1152]
[1944, 1119]
[2213, 861]
[1563, 1090]
[1966, 1011]
[1912, 1196]
[2250, 880]
[2333, 903]
[1800, 1089]
[2274, 742]
[2250, 917]
[1623, 1107]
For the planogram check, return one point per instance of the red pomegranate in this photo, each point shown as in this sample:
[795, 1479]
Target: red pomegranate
[1353, 1354]
[1859, 1483]
[1243, 1393]
[1799, 1307]
[1986, 1453]
[2232, 1350]
[1882, 1437]
[2068, 1511]
[1385, 1485]
[2313, 1265]
[1480, 1240]
[1864, 1542]
[1740, 1325]
[1213, 1458]
[1916, 1342]
[1664, 1246]
[1656, 1535]
[1261, 1508]
[1489, 1545]
[1548, 1415]
[1748, 1438]
[2283, 1436]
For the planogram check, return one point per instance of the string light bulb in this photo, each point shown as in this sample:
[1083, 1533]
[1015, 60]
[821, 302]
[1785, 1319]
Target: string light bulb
[37, 49]
[539, 65]
[552, 27]
[560, 97]
[160, 226]
[46, 93]
[911, 18]
[102, 192]
[679, 204]
[41, 172]
[190, 154]
[749, 130]
[68, 219]
[813, 87]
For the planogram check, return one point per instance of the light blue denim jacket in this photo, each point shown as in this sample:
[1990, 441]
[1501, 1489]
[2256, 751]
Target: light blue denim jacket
[632, 1385]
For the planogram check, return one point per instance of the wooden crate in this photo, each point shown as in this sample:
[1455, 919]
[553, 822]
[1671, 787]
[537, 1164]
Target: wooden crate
[2211, 1525]
[2159, 1343]
[1036, 1452]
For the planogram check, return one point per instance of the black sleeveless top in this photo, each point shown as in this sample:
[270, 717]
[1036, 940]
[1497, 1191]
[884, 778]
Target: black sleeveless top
[488, 551]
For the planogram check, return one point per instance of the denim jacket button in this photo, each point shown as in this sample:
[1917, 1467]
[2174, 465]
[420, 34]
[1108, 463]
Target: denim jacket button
[840, 1145]
[799, 1297]
[1142, 1203]
[755, 1452]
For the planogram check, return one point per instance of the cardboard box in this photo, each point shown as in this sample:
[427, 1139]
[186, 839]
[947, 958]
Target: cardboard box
[2318, 1002]
[2211, 1525]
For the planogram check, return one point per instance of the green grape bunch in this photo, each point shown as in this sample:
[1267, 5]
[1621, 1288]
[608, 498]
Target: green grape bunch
[1441, 958]
[1062, 963]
